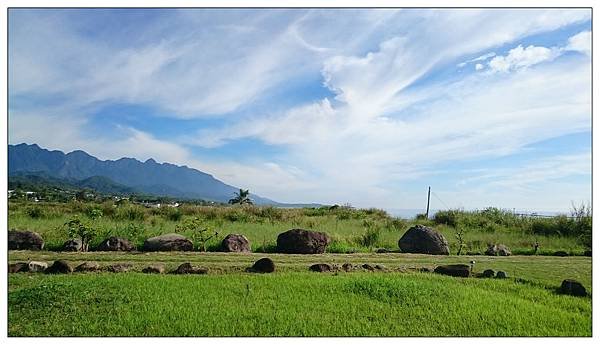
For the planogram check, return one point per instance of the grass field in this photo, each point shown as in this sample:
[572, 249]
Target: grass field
[350, 230]
[295, 302]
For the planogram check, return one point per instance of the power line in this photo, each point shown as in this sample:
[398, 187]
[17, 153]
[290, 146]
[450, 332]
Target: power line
[443, 203]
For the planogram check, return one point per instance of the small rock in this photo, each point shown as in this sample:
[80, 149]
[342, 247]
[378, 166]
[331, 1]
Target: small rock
[320, 268]
[572, 287]
[560, 253]
[37, 266]
[18, 267]
[264, 265]
[119, 267]
[501, 275]
[88, 267]
[59, 266]
[458, 270]
[187, 268]
[347, 267]
[368, 267]
[380, 267]
[72, 245]
[425, 270]
[488, 274]
[156, 268]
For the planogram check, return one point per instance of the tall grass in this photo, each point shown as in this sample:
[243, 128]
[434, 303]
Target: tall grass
[350, 230]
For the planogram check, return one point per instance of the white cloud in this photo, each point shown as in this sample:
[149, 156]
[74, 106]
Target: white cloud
[519, 58]
[376, 132]
[582, 42]
[478, 67]
[479, 58]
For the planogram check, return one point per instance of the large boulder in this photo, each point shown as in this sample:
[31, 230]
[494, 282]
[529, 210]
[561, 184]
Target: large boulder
[458, 270]
[59, 266]
[235, 243]
[37, 266]
[115, 244]
[423, 240]
[572, 287]
[498, 249]
[25, 240]
[168, 242]
[299, 241]
[72, 245]
[264, 265]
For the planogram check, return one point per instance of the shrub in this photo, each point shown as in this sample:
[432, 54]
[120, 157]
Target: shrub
[130, 212]
[199, 233]
[449, 217]
[35, 212]
[76, 228]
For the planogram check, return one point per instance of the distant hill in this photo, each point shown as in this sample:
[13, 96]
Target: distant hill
[35, 180]
[122, 176]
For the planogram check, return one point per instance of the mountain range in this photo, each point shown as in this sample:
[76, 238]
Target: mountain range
[121, 176]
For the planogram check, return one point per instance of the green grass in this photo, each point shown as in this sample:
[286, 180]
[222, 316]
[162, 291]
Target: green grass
[348, 229]
[289, 304]
[546, 270]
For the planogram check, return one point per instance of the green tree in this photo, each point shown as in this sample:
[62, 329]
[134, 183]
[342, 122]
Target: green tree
[241, 197]
[199, 233]
[81, 230]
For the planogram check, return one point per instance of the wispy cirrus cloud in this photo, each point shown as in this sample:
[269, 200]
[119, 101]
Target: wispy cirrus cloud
[396, 108]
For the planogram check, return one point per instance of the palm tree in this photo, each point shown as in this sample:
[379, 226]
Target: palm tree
[243, 197]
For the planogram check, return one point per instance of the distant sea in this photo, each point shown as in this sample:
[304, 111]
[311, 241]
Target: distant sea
[408, 213]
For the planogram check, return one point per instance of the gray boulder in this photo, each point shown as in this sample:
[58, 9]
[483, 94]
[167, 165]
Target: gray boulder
[236, 243]
[300, 241]
[488, 273]
[156, 268]
[119, 267]
[115, 244]
[501, 275]
[572, 287]
[88, 266]
[72, 245]
[423, 240]
[25, 240]
[168, 242]
[187, 268]
[18, 267]
[37, 266]
[458, 270]
[320, 268]
[264, 265]
[498, 249]
[59, 266]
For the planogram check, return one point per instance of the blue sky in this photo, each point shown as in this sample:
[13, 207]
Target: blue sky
[369, 107]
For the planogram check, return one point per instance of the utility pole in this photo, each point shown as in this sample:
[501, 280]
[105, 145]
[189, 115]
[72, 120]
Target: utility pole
[428, 196]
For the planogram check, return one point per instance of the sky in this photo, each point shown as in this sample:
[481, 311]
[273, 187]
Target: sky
[489, 107]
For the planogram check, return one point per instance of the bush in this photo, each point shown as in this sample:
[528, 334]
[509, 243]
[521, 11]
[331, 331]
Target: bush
[449, 217]
[35, 212]
[130, 212]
